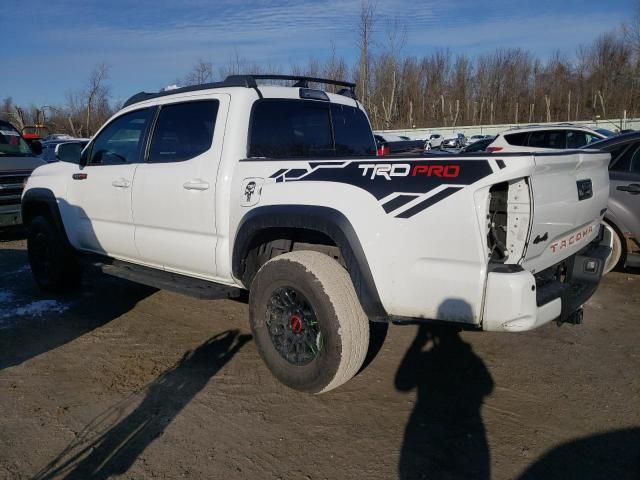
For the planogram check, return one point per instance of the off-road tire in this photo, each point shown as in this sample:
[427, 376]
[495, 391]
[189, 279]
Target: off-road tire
[54, 265]
[343, 325]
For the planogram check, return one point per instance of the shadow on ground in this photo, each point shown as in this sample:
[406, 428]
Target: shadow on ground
[610, 455]
[112, 442]
[445, 436]
[99, 301]
[12, 234]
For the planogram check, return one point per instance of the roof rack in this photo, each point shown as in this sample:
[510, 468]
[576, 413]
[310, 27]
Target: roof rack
[247, 81]
[554, 124]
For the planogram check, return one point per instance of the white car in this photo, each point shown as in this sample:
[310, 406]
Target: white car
[547, 137]
[435, 140]
[215, 189]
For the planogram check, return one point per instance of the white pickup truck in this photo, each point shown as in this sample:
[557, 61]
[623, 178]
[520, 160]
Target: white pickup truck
[236, 185]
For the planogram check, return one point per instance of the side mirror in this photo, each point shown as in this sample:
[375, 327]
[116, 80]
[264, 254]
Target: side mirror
[36, 147]
[69, 152]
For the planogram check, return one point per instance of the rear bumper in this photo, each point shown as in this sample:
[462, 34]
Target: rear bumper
[517, 300]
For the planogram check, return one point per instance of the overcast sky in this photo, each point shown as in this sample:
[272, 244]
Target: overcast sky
[48, 47]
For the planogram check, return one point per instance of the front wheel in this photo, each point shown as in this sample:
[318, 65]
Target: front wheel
[307, 322]
[54, 266]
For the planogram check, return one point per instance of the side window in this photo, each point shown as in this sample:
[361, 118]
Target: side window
[183, 131]
[577, 139]
[290, 128]
[122, 140]
[517, 139]
[548, 139]
[621, 162]
[635, 162]
[352, 132]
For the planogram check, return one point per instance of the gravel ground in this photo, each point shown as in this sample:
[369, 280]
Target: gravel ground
[123, 381]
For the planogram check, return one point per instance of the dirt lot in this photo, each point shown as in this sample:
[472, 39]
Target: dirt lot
[120, 380]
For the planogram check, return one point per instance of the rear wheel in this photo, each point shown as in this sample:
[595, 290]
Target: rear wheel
[617, 248]
[307, 321]
[54, 266]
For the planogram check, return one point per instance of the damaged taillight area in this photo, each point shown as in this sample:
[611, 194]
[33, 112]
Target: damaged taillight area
[508, 221]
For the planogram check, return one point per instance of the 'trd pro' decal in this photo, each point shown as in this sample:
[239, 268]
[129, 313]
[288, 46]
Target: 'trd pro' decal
[402, 180]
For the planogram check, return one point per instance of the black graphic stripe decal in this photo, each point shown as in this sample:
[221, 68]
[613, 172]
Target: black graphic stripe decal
[396, 203]
[382, 178]
[410, 212]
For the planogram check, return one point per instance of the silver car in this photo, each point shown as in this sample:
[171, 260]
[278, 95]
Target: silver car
[622, 219]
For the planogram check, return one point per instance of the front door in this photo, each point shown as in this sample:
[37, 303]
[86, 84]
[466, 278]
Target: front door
[624, 177]
[99, 193]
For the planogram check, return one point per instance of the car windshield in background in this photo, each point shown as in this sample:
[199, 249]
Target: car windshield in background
[12, 143]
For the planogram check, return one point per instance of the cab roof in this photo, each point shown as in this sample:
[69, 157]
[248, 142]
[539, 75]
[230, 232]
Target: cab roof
[250, 81]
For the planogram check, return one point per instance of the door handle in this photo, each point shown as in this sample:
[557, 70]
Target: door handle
[121, 183]
[633, 189]
[196, 184]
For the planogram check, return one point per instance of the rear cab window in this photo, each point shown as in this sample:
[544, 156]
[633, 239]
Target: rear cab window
[283, 128]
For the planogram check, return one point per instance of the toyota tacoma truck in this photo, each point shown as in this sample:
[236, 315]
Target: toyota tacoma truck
[276, 190]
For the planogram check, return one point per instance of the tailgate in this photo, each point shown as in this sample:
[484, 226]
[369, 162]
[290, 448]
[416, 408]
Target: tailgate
[570, 191]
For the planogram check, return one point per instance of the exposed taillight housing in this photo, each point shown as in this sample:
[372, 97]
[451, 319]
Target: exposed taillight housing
[508, 221]
[384, 150]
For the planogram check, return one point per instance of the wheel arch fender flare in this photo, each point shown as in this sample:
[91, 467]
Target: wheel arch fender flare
[42, 200]
[325, 220]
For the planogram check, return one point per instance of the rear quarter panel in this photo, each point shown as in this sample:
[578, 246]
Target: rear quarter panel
[423, 236]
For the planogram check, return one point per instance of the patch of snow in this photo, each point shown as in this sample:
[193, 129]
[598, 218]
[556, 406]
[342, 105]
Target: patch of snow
[36, 309]
[40, 307]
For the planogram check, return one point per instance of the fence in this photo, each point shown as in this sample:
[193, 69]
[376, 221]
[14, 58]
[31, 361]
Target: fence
[423, 133]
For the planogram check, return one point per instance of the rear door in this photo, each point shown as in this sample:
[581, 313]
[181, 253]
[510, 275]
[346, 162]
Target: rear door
[625, 188]
[174, 191]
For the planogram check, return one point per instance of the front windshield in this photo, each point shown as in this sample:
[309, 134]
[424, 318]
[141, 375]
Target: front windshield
[11, 143]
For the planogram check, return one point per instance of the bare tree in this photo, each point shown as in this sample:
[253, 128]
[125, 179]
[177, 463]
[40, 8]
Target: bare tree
[96, 94]
[201, 73]
[365, 36]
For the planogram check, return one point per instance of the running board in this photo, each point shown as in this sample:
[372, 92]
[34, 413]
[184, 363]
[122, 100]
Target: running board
[161, 279]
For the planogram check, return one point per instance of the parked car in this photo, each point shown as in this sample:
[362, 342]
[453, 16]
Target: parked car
[50, 147]
[479, 145]
[17, 161]
[388, 144]
[475, 138]
[622, 218]
[545, 137]
[456, 141]
[325, 236]
[435, 140]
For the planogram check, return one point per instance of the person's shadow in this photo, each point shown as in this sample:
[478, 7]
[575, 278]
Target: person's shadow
[445, 436]
[101, 451]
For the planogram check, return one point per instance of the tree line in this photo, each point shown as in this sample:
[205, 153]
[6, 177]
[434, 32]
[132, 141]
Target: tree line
[439, 89]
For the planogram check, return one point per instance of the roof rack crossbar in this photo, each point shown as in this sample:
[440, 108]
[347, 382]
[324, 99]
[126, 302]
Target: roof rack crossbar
[247, 81]
[301, 79]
